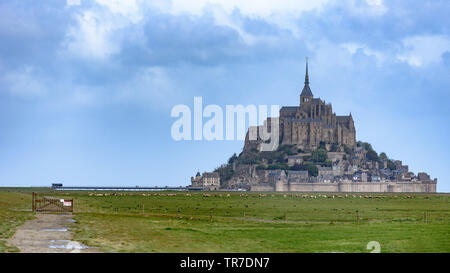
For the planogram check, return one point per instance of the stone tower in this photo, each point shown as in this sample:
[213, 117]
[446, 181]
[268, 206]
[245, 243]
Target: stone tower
[306, 95]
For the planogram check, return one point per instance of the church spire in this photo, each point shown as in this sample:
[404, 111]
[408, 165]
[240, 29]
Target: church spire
[306, 75]
[306, 94]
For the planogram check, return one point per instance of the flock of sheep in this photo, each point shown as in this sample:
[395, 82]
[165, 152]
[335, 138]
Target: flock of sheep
[315, 196]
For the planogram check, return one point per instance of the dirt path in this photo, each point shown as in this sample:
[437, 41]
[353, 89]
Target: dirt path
[48, 233]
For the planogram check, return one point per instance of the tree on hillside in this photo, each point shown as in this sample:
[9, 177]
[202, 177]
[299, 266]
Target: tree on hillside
[391, 165]
[225, 172]
[322, 145]
[347, 150]
[311, 168]
[319, 155]
[372, 155]
[232, 158]
[249, 158]
[287, 149]
[367, 146]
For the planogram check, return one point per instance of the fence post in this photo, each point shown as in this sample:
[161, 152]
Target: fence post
[33, 206]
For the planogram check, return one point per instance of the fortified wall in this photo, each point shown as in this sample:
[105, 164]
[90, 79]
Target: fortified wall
[349, 186]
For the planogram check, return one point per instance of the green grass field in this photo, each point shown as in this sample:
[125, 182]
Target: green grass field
[13, 212]
[250, 222]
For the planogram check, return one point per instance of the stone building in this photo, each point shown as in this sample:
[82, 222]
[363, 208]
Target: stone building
[276, 176]
[313, 122]
[207, 181]
[298, 176]
[423, 176]
[295, 160]
[309, 124]
[335, 156]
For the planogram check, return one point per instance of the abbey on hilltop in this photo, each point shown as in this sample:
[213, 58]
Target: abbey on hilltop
[313, 122]
[317, 152]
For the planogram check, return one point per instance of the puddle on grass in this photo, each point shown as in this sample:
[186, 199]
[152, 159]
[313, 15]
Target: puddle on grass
[56, 229]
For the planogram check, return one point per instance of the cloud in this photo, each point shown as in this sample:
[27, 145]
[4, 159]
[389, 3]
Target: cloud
[424, 50]
[252, 8]
[149, 86]
[95, 34]
[24, 82]
[91, 38]
[372, 8]
[73, 2]
[130, 9]
[353, 47]
[106, 44]
[236, 21]
[99, 31]
[282, 13]
[375, 2]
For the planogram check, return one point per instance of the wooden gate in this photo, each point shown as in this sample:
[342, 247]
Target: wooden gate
[51, 204]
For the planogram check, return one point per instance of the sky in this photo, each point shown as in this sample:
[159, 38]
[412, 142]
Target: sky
[87, 86]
